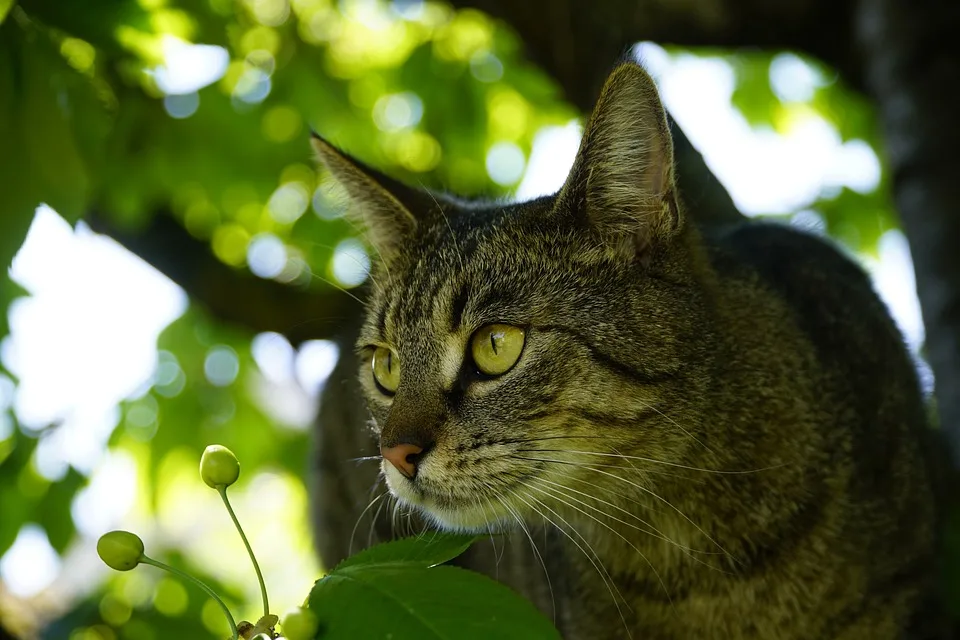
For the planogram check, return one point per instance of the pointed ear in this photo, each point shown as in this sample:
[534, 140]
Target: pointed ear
[381, 205]
[622, 181]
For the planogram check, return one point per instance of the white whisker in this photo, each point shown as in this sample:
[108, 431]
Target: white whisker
[446, 220]
[536, 551]
[604, 576]
[656, 533]
[652, 460]
[676, 424]
[666, 502]
[376, 517]
[335, 286]
[360, 517]
[552, 493]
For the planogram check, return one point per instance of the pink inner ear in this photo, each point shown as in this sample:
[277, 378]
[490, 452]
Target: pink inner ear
[657, 172]
[656, 178]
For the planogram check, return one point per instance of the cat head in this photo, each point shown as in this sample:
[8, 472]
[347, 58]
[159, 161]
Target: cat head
[511, 350]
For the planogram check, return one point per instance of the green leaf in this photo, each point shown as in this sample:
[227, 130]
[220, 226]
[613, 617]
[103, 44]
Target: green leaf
[5, 6]
[406, 601]
[753, 95]
[20, 196]
[421, 552]
[857, 219]
[42, 161]
[9, 291]
[51, 151]
[97, 21]
[16, 508]
[54, 509]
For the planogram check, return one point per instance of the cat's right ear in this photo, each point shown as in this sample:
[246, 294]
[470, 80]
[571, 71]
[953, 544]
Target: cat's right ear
[622, 181]
[381, 205]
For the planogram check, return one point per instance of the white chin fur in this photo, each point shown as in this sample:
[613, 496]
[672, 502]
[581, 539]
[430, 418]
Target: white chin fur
[466, 520]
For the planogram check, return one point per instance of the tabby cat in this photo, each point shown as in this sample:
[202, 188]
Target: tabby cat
[690, 431]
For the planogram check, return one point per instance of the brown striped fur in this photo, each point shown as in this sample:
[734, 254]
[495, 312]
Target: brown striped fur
[711, 432]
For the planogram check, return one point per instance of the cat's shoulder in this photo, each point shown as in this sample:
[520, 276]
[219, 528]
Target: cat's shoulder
[831, 295]
[789, 258]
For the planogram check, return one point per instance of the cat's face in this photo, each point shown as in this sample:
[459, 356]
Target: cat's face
[515, 357]
[522, 359]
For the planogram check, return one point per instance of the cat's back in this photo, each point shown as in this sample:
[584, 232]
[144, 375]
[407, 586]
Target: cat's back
[831, 300]
[882, 444]
[866, 368]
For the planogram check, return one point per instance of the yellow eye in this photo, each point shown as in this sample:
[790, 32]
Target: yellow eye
[496, 348]
[386, 369]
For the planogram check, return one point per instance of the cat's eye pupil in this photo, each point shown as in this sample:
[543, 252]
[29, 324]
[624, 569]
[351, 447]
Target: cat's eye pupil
[495, 348]
[386, 370]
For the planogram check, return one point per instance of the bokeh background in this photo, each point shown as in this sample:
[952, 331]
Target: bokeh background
[176, 259]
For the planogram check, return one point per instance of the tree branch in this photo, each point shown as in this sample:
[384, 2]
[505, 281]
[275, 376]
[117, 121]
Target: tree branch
[576, 41]
[232, 295]
[580, 42]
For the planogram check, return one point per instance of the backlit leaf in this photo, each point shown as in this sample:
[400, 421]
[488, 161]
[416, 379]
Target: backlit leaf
[393, 593]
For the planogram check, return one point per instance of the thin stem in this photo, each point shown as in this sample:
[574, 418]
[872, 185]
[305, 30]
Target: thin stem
[222, 490]
[208, 590]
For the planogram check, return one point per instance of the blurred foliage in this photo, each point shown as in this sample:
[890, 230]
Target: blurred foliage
[414, 88]
[857, 219]
[147, 604]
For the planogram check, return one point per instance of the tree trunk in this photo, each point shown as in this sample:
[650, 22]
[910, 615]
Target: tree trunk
[912, 68]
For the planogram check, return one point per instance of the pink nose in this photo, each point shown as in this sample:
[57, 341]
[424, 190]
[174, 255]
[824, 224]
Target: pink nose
[404, 457]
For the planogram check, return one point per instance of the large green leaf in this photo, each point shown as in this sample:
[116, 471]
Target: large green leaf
[391, 601]
[396, 591]
[20, 197]
[51, 152]
[41, 160]
[422, 552]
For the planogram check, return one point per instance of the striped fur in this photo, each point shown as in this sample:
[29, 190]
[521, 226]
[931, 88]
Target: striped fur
[710, 433]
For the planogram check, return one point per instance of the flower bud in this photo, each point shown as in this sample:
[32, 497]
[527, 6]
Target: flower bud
[300, 624]
[218, 466]
[120, 550]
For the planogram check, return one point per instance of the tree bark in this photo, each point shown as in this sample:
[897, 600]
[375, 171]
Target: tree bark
[912, 67]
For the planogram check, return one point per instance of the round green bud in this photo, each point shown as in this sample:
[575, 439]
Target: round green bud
[300, 624]
[218, 466]
[120, 550]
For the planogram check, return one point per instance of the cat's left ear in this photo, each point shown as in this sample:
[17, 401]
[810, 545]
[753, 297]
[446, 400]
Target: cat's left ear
[382, 206]
[622, 180]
